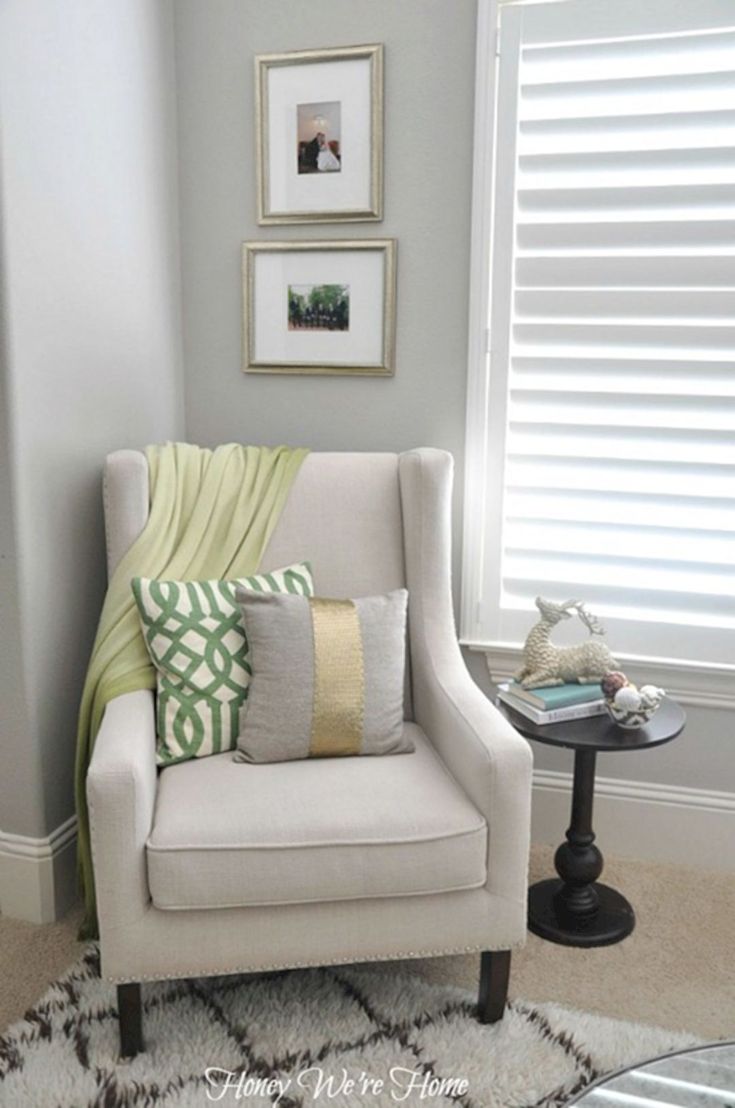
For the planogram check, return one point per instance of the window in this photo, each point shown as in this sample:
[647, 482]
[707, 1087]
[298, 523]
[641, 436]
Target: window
[601, 424]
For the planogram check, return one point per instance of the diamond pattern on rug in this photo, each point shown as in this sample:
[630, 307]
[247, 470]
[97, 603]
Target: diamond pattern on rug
[327, 1016]
[292, 1031]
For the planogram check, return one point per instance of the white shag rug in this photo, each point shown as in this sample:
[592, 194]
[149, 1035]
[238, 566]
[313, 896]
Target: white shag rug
[299, 1038]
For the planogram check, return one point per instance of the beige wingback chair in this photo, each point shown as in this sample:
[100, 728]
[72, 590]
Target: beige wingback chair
[217, 867]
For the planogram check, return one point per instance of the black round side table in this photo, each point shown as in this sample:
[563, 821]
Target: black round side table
[576, 909]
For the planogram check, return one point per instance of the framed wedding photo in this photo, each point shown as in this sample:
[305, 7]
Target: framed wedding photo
[319, 307]
[319, 135]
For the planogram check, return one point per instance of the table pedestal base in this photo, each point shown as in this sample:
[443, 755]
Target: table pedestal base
[577, 910]
[549, 917]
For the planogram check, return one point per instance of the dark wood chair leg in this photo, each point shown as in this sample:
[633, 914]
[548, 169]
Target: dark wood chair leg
[130, 1015]
[494, 976]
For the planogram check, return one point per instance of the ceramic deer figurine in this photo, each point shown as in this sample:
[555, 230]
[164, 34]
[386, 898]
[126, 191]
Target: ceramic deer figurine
[545, 664]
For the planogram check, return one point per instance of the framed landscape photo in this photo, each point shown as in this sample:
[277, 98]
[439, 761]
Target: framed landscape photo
[319, 135]
[319, 307]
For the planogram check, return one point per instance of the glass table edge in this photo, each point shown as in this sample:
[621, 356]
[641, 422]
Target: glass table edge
[608, 1077]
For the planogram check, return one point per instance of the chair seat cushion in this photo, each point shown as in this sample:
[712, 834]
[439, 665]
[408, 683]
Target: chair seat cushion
[229, 834]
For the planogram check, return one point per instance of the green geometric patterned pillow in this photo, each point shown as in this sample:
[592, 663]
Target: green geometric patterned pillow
[196, 639]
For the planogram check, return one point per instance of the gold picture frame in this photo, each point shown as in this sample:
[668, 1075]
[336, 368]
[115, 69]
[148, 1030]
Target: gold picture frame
[278, 163]
[274, 335]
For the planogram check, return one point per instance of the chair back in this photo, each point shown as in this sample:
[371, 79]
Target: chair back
[343, 515]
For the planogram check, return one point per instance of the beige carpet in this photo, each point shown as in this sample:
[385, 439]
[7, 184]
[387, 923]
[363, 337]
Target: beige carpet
[677, 970]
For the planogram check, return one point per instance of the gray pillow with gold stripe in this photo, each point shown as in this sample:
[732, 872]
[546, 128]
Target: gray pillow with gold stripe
[327, 677]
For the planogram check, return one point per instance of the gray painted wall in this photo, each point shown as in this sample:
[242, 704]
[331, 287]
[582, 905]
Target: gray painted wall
[92, 342]
[429, 88]
[20, 764]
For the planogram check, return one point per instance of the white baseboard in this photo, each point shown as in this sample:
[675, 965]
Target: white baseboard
[38, 878]
[635, 819]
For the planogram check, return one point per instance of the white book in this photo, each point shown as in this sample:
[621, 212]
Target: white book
[555, 715]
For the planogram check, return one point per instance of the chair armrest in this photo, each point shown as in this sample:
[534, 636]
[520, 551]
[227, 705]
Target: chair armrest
[121, 794]
[482, 751]
[487, 757]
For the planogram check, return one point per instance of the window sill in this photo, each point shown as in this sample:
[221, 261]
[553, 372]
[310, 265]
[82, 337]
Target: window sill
[699, 684]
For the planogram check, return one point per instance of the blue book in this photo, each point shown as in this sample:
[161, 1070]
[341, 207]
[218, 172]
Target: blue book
[556, 696]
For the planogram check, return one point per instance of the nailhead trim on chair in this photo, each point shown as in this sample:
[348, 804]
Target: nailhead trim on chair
[340, 960]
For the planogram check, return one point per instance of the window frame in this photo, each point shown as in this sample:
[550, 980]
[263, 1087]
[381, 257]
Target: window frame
[697, 683]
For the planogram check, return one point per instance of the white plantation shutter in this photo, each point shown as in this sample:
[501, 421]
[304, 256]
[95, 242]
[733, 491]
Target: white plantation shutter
[610, 450]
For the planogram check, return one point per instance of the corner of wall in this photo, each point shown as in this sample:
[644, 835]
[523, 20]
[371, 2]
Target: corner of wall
[38, 876]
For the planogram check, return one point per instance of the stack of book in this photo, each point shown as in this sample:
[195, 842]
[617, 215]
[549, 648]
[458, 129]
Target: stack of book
[555, 704]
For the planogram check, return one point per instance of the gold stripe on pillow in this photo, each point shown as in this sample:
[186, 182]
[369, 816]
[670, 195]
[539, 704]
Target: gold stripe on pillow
[339, 679]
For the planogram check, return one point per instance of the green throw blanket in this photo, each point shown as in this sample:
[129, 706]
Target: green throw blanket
[211, 516]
